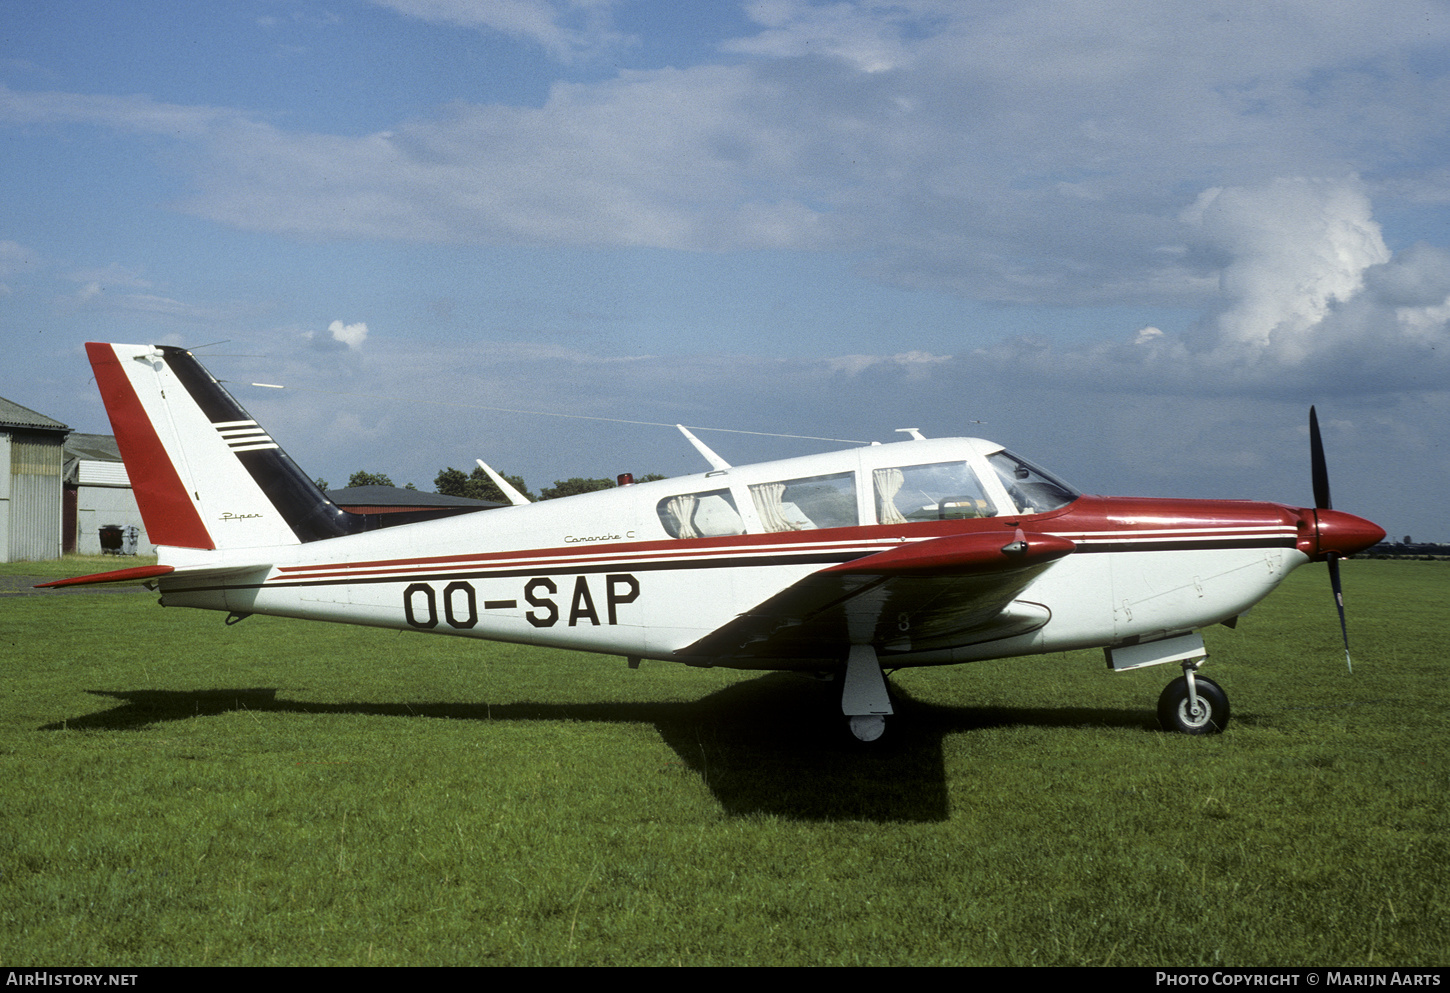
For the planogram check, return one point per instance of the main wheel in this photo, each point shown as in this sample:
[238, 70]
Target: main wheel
[1176, 714]
[868, 727]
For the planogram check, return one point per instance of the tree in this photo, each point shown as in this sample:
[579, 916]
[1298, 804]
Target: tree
[452, 482]
[573, 486]
[364, 478]
[577, 484]
[322, 484]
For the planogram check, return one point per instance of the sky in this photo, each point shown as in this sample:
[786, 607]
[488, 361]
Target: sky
[1133, 242]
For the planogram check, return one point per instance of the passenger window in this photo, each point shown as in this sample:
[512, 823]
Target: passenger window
[700, 515]
[943, 491]
[803, 504]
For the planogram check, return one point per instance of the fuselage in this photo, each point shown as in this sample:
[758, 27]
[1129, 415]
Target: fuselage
[647, 570]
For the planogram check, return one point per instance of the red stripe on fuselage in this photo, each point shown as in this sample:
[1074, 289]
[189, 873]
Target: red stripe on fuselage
[564, 559]
[166, 507]
[1095, 523]
[1150, 524]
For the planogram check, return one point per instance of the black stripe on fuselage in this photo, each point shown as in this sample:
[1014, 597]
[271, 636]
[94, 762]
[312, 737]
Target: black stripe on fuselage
[721, 562]
[824, 558]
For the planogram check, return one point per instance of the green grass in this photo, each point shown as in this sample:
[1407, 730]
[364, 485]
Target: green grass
[75, 565]
[175, 791]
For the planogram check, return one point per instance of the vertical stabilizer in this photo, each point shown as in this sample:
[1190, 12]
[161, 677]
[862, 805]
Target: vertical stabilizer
[205, 474]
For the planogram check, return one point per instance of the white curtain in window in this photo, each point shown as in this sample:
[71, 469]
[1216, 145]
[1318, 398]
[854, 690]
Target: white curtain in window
[767, 498]
[888, 484]
[682, 508]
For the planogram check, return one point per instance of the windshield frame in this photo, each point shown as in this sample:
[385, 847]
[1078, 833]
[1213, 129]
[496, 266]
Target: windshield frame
[1027, 479]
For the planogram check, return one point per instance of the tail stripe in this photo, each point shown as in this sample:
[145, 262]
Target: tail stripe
[244, 436]
[167, 509]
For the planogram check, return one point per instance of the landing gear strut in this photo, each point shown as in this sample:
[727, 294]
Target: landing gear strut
[1192, 704]
[863, 694]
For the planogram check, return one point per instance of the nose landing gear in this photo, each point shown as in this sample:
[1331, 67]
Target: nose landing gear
[1193, 704]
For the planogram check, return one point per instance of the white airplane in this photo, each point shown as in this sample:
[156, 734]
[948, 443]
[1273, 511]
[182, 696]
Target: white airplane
[915, 553]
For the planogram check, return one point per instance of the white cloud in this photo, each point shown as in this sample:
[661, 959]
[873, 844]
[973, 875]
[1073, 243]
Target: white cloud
[1029, 153]
[1298, 248]
[914, 363]
[865, 36]
[567, 29]
[351, 335]
[14, 257]
[113, 290]
[16, 260]
[131, 114]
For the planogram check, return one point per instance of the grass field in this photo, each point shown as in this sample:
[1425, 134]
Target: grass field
[174, 791]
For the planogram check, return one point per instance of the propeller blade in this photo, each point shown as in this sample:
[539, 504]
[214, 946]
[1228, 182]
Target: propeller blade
[1316, 465]
[1320, 471]
[1339, 602]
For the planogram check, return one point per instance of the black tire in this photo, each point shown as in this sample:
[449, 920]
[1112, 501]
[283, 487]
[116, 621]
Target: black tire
[1173, 710]
[867, 727]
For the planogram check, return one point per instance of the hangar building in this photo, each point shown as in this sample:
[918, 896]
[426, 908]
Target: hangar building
[99, 500]
[31, 464]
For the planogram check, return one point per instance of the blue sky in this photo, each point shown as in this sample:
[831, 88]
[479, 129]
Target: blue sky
[1134, 241]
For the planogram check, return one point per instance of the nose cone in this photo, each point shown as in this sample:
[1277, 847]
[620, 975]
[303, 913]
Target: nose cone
[1345, 534]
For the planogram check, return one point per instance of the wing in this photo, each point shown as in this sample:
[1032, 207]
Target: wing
[923, 595]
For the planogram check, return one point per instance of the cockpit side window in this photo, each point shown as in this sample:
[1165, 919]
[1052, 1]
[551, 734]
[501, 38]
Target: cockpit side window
[810, 502]
[1033, 490]
[700, 515]
[941, 491]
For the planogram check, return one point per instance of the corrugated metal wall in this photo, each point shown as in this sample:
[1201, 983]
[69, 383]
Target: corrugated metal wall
[35, 505]
[97, 506]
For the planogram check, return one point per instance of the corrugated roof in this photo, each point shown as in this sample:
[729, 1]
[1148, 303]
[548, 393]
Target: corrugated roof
[94, 447]
[12, 415]
[88, 472]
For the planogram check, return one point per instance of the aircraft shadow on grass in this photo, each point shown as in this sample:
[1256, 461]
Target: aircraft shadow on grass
[774, 745]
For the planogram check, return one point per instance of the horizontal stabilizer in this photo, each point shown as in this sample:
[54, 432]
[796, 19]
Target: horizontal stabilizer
[171, 575]
[136, 575]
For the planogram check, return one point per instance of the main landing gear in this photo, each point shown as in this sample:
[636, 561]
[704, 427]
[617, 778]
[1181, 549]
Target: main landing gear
[864, 699]
[1193, 704]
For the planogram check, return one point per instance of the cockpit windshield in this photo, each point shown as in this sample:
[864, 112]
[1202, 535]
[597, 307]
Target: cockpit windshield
[1033, 490]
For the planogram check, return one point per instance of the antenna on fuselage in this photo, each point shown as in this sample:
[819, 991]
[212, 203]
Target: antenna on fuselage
[515, 497]
[715, 461]
[915, 433]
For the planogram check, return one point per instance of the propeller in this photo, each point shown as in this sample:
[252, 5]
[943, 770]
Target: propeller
[1320, 473]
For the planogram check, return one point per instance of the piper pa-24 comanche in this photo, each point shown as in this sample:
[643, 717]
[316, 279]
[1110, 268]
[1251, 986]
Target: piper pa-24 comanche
[915, 553]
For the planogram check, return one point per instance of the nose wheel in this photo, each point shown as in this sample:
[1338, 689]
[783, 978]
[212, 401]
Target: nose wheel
[1192, 704]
